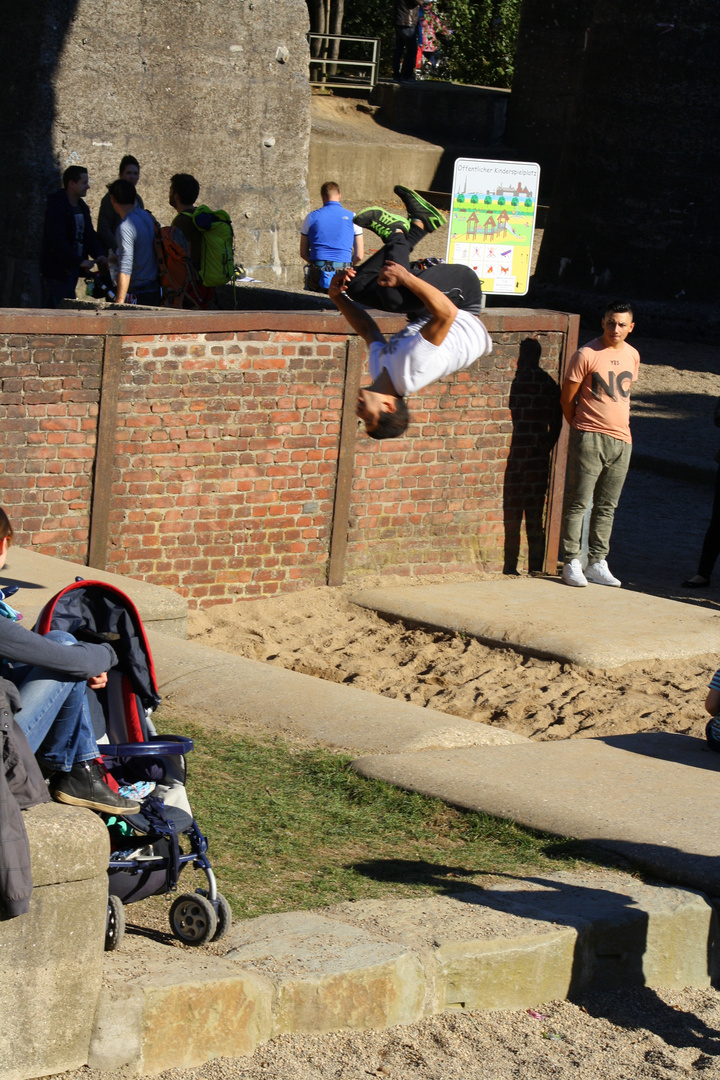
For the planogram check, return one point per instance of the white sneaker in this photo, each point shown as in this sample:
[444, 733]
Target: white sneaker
[599, 574]
[572, 573]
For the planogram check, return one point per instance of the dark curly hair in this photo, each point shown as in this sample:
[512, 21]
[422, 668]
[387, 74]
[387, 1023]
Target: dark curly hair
[392, 424]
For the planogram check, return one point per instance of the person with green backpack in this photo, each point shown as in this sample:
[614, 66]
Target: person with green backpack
[208, 232]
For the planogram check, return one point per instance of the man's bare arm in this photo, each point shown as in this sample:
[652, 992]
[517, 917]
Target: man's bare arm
[304, 247]
[359, 319]
[358, 252]
[123, 284]
[442, 310]
[570, 391]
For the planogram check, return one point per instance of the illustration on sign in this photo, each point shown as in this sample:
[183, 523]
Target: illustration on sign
[492, 221]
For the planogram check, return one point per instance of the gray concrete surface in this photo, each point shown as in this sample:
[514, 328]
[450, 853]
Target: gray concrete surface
[40, 577]
[596, 627]
[648, 797]
[377, 963]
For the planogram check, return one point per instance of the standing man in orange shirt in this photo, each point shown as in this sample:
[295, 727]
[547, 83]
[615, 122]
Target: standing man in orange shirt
[595, 401]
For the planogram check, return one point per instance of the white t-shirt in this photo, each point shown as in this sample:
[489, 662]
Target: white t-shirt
[412, 362]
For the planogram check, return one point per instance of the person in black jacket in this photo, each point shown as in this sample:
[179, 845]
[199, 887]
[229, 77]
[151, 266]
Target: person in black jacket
[407, 15]
[52, 673]
[69, 244]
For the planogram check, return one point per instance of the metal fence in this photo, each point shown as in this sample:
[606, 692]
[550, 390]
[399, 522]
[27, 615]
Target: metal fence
[329, 68]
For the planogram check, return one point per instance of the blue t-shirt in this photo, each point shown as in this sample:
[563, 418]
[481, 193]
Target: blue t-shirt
[331, 233]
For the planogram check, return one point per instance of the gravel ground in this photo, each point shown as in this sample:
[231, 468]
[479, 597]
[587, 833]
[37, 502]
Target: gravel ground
[624, 1035]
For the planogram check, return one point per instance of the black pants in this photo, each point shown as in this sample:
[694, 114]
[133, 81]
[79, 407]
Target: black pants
[711, 544]
[406, 42]
[459, 283]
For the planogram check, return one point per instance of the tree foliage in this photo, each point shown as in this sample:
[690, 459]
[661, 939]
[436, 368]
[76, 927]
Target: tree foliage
[480, 50]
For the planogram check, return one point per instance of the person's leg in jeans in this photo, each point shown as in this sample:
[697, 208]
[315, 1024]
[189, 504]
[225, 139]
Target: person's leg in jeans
[56, 721]
[711, 543]
[615, 458]
[54, 714]
[583, 468]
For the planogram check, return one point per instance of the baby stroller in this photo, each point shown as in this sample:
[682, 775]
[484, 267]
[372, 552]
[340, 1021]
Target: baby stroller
[147, 855]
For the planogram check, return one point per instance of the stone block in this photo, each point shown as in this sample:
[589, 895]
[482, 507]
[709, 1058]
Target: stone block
[329, 976]
[51, 958]
[178, 1014]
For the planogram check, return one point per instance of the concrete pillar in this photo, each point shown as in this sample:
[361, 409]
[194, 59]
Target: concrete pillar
[218, 89]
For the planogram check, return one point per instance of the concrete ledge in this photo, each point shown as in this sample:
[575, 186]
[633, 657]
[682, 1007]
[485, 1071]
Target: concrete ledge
[639, 795]
[594, 627]
[377, 963]
[41, 576]
[183, 1010]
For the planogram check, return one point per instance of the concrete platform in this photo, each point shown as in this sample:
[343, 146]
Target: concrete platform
[652, 798]
[41, 576]
[377, 963]
[596, 627]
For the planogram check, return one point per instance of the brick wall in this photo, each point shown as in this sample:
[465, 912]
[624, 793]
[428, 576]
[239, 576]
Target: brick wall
[49, 391]
[223, 466]
[451, 497]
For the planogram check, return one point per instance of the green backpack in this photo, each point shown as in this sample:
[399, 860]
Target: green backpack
[217, 261]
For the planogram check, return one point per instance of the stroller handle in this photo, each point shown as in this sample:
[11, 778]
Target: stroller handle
[156, 744]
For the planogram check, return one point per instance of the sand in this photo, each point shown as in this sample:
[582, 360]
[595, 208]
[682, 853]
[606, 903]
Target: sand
[321, 632]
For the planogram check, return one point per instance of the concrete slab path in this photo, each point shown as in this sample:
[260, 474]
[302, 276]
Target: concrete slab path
[41, 576]
[596, 627]
[654, 798]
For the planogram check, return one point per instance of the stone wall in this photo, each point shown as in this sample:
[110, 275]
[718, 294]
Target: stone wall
[217, 89]
[633, 208]
[226, 460]
[51, 958]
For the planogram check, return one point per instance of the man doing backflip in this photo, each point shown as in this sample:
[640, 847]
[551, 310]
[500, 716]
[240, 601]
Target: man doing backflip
[444, 333]
[595, 400]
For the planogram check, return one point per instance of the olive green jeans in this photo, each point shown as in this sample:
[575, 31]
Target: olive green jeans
[596, 469]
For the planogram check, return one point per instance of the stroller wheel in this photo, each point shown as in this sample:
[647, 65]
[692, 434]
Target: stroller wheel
[115, 924]
[192, 919]
[224, 915]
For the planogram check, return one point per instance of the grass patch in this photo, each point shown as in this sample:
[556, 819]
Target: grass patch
[292, 829]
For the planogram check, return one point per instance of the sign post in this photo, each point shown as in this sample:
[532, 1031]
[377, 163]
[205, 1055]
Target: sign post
[492, 221]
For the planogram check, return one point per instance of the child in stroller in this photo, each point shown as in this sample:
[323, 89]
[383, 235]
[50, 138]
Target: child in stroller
[147, 853]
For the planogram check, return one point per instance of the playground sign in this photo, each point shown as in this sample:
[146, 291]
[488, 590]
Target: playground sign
[492, 221]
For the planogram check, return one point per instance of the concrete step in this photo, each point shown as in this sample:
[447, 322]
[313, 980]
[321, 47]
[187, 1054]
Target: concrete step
[596, 626]
[377, 963]
[41, 576]
[648, 796]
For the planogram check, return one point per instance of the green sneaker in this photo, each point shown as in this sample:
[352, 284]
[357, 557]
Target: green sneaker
[381, 222]
[420, 209]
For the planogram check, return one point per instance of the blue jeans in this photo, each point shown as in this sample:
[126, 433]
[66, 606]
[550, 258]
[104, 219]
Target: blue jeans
[55, 715]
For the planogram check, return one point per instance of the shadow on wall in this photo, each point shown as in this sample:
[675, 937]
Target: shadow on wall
[33, 43]
[536, 424]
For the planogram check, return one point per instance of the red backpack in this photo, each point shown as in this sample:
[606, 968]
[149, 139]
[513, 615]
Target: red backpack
[179, 280]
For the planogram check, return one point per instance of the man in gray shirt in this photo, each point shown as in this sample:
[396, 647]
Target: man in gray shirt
[137, 262]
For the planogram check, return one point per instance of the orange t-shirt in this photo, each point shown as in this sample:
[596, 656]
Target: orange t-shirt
[606, 375]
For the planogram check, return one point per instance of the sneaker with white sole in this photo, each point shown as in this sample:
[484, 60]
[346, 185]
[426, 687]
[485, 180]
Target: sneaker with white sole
[572, 573]
[599, 574]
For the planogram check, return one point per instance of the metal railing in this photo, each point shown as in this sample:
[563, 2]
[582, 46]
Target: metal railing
[328, 68]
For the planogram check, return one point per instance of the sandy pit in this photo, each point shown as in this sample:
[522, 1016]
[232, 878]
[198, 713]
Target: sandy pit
[320, 632]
